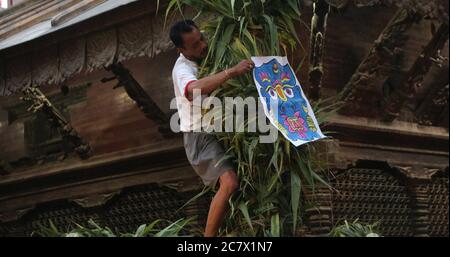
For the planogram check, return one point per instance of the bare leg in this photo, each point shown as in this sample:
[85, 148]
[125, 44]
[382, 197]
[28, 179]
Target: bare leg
[219, 205]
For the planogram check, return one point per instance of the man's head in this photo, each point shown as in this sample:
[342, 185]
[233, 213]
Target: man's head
[188, 40]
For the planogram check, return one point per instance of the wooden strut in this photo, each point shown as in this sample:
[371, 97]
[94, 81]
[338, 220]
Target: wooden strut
[363, 91]
[317, 43]
[434, 110]
[39, 102]
[141, 98]
[413, 80]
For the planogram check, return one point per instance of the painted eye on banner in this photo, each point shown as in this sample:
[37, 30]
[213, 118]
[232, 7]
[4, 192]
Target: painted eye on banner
[289, 92]
[272, 94]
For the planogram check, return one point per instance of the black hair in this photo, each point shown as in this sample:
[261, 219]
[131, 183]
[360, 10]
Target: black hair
[177, 30]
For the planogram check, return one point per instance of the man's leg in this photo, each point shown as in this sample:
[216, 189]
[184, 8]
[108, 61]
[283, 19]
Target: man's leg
[228, 184]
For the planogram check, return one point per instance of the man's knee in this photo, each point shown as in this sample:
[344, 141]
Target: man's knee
[229, 182]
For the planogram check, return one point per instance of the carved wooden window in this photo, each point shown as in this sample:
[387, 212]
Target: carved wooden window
[373, 195]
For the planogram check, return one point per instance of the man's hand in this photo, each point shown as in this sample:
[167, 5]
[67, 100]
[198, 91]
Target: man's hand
[211, 83]
[242, 68]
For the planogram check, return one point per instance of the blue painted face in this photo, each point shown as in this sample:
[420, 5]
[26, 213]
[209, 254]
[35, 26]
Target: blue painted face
[281, 92]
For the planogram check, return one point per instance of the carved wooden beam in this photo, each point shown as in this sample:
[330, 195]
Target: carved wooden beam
[39, 102]
[5, 168]
[413, 80]
[432, 111]
[141, 98]
[317, 43]
[364, 90]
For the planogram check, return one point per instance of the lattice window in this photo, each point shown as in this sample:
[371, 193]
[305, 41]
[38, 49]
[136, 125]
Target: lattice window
[438, 206]
[124, 213]
[372, 195]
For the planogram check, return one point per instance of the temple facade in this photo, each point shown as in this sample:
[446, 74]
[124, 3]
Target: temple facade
[85, 92]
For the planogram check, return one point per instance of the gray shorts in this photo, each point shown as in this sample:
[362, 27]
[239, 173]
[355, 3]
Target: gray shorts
[204, 153]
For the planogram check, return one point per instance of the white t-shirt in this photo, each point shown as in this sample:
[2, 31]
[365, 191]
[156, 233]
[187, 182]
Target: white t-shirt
[183, 74]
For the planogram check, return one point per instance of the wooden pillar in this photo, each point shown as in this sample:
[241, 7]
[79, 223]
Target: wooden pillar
[317, 45]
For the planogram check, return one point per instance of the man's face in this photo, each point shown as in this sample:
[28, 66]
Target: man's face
[194, 45]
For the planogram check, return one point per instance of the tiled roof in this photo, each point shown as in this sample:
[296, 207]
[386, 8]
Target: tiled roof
[37, 18]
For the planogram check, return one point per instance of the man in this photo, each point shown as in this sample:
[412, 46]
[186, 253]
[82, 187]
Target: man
[202, 149]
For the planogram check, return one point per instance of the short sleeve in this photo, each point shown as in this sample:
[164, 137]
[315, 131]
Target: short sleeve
[184, 76]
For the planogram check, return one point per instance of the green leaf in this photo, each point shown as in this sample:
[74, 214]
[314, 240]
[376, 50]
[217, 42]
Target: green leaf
[274, 44]
[232, 6]
[193, 199]
[275, 225]
[225, 41]
[295, 7]
[173, 229]
[295, 197]
[241, 25]
[244, 209]
[140, 231]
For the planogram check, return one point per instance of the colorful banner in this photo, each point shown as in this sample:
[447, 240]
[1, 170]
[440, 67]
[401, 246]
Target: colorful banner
[283, 99]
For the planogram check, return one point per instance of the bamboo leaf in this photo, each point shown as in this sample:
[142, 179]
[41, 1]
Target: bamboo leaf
[244, 209]
[274, 44]
[140, 230]
[275, 225]
[294, 4]
[295, 197]
[232, 7]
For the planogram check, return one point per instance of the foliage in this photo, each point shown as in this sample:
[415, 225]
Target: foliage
[272, 176]
[94, 230]
[355, 229]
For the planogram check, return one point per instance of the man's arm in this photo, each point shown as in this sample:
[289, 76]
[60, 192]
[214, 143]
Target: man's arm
[211, 83]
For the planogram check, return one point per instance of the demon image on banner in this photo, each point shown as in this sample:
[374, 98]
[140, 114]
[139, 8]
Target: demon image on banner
[284, 101]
